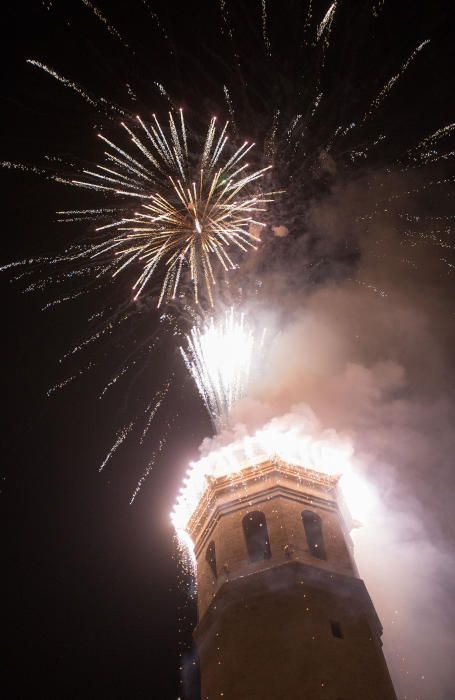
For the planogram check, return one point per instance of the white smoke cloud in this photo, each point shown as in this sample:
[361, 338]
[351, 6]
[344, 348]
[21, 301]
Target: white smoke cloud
[368, 356]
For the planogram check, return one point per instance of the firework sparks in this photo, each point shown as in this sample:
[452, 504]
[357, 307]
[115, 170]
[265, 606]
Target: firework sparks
[68, 380]
[323, 452]
[264, 28]
[326, 23]
[68, 83]
[387, 88]
[190, 212]
[153, 407]
[161, 445]
[121, 437]
[219, 359]
[112, 30]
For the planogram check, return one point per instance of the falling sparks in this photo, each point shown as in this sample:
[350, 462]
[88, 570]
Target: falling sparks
[326, 24]
[228, 100]
[153, 407]
[218, 356]
[264, 28]
[159, 24]
[121, 437]
[62, 300]
[270, 141]
[387, 88]
[161, 445]
[112, 30]
[163, 91]
[8, 165]
[67, 83]
[91, 339]
[68, 380]
[425, 150]
[189, 213]
[116, 377]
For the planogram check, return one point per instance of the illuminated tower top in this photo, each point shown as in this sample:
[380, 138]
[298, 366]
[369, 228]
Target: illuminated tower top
[282, 611]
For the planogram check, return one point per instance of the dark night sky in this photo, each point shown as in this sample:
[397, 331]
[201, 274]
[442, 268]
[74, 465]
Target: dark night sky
[95, 602]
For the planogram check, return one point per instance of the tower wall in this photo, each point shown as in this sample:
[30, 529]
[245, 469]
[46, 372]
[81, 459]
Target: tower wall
[294, 623]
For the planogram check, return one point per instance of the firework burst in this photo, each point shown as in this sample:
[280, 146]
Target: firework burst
[192, 209]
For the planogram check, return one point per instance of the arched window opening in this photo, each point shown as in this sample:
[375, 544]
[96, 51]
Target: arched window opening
[336, 629]
[210, 557]
[256, 536]
[313, 531]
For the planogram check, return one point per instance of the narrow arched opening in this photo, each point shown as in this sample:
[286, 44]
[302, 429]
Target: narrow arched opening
[313, 530]
[210, 557]
[256, 536]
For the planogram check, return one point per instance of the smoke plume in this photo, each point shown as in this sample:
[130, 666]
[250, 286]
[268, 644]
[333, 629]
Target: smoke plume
[359, 337]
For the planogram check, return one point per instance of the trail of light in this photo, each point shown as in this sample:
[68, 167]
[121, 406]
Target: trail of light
[372, 287]
[161, 445]
[265, 35]
[64, 81]
[163, 91]
[112, 30]
[228, 99]
[61, 300]
[121, 437]
[116, 377]
[326, 24]
[9, 165]
[153, 407]
[68, 380]
[159, 24]
[425, 151]
[269, 144]
[387, 88]
[77, 348]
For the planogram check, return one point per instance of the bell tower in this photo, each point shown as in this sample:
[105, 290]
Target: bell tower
[282, 612]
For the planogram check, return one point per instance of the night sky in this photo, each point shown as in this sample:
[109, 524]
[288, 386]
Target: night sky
[96, 604]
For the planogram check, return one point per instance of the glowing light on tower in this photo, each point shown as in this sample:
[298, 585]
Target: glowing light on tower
[325, 453]
[219, 357]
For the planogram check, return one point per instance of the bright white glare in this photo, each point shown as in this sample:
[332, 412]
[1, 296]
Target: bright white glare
[327, 454]
[218, 357]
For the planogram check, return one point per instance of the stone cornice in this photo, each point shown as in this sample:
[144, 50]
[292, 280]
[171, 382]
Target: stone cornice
[228, 493]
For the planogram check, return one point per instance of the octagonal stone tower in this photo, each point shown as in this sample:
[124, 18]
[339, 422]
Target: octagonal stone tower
[282, 612]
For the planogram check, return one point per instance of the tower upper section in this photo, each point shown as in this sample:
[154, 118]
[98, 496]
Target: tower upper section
[282, 611]
[266, 515]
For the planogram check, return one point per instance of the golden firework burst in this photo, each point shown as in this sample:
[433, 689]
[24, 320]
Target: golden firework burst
[192, 207]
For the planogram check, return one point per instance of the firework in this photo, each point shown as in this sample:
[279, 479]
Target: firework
[218, 357]
[191, 209]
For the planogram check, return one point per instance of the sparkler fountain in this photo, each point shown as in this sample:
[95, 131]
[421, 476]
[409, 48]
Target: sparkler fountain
[282, 611]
